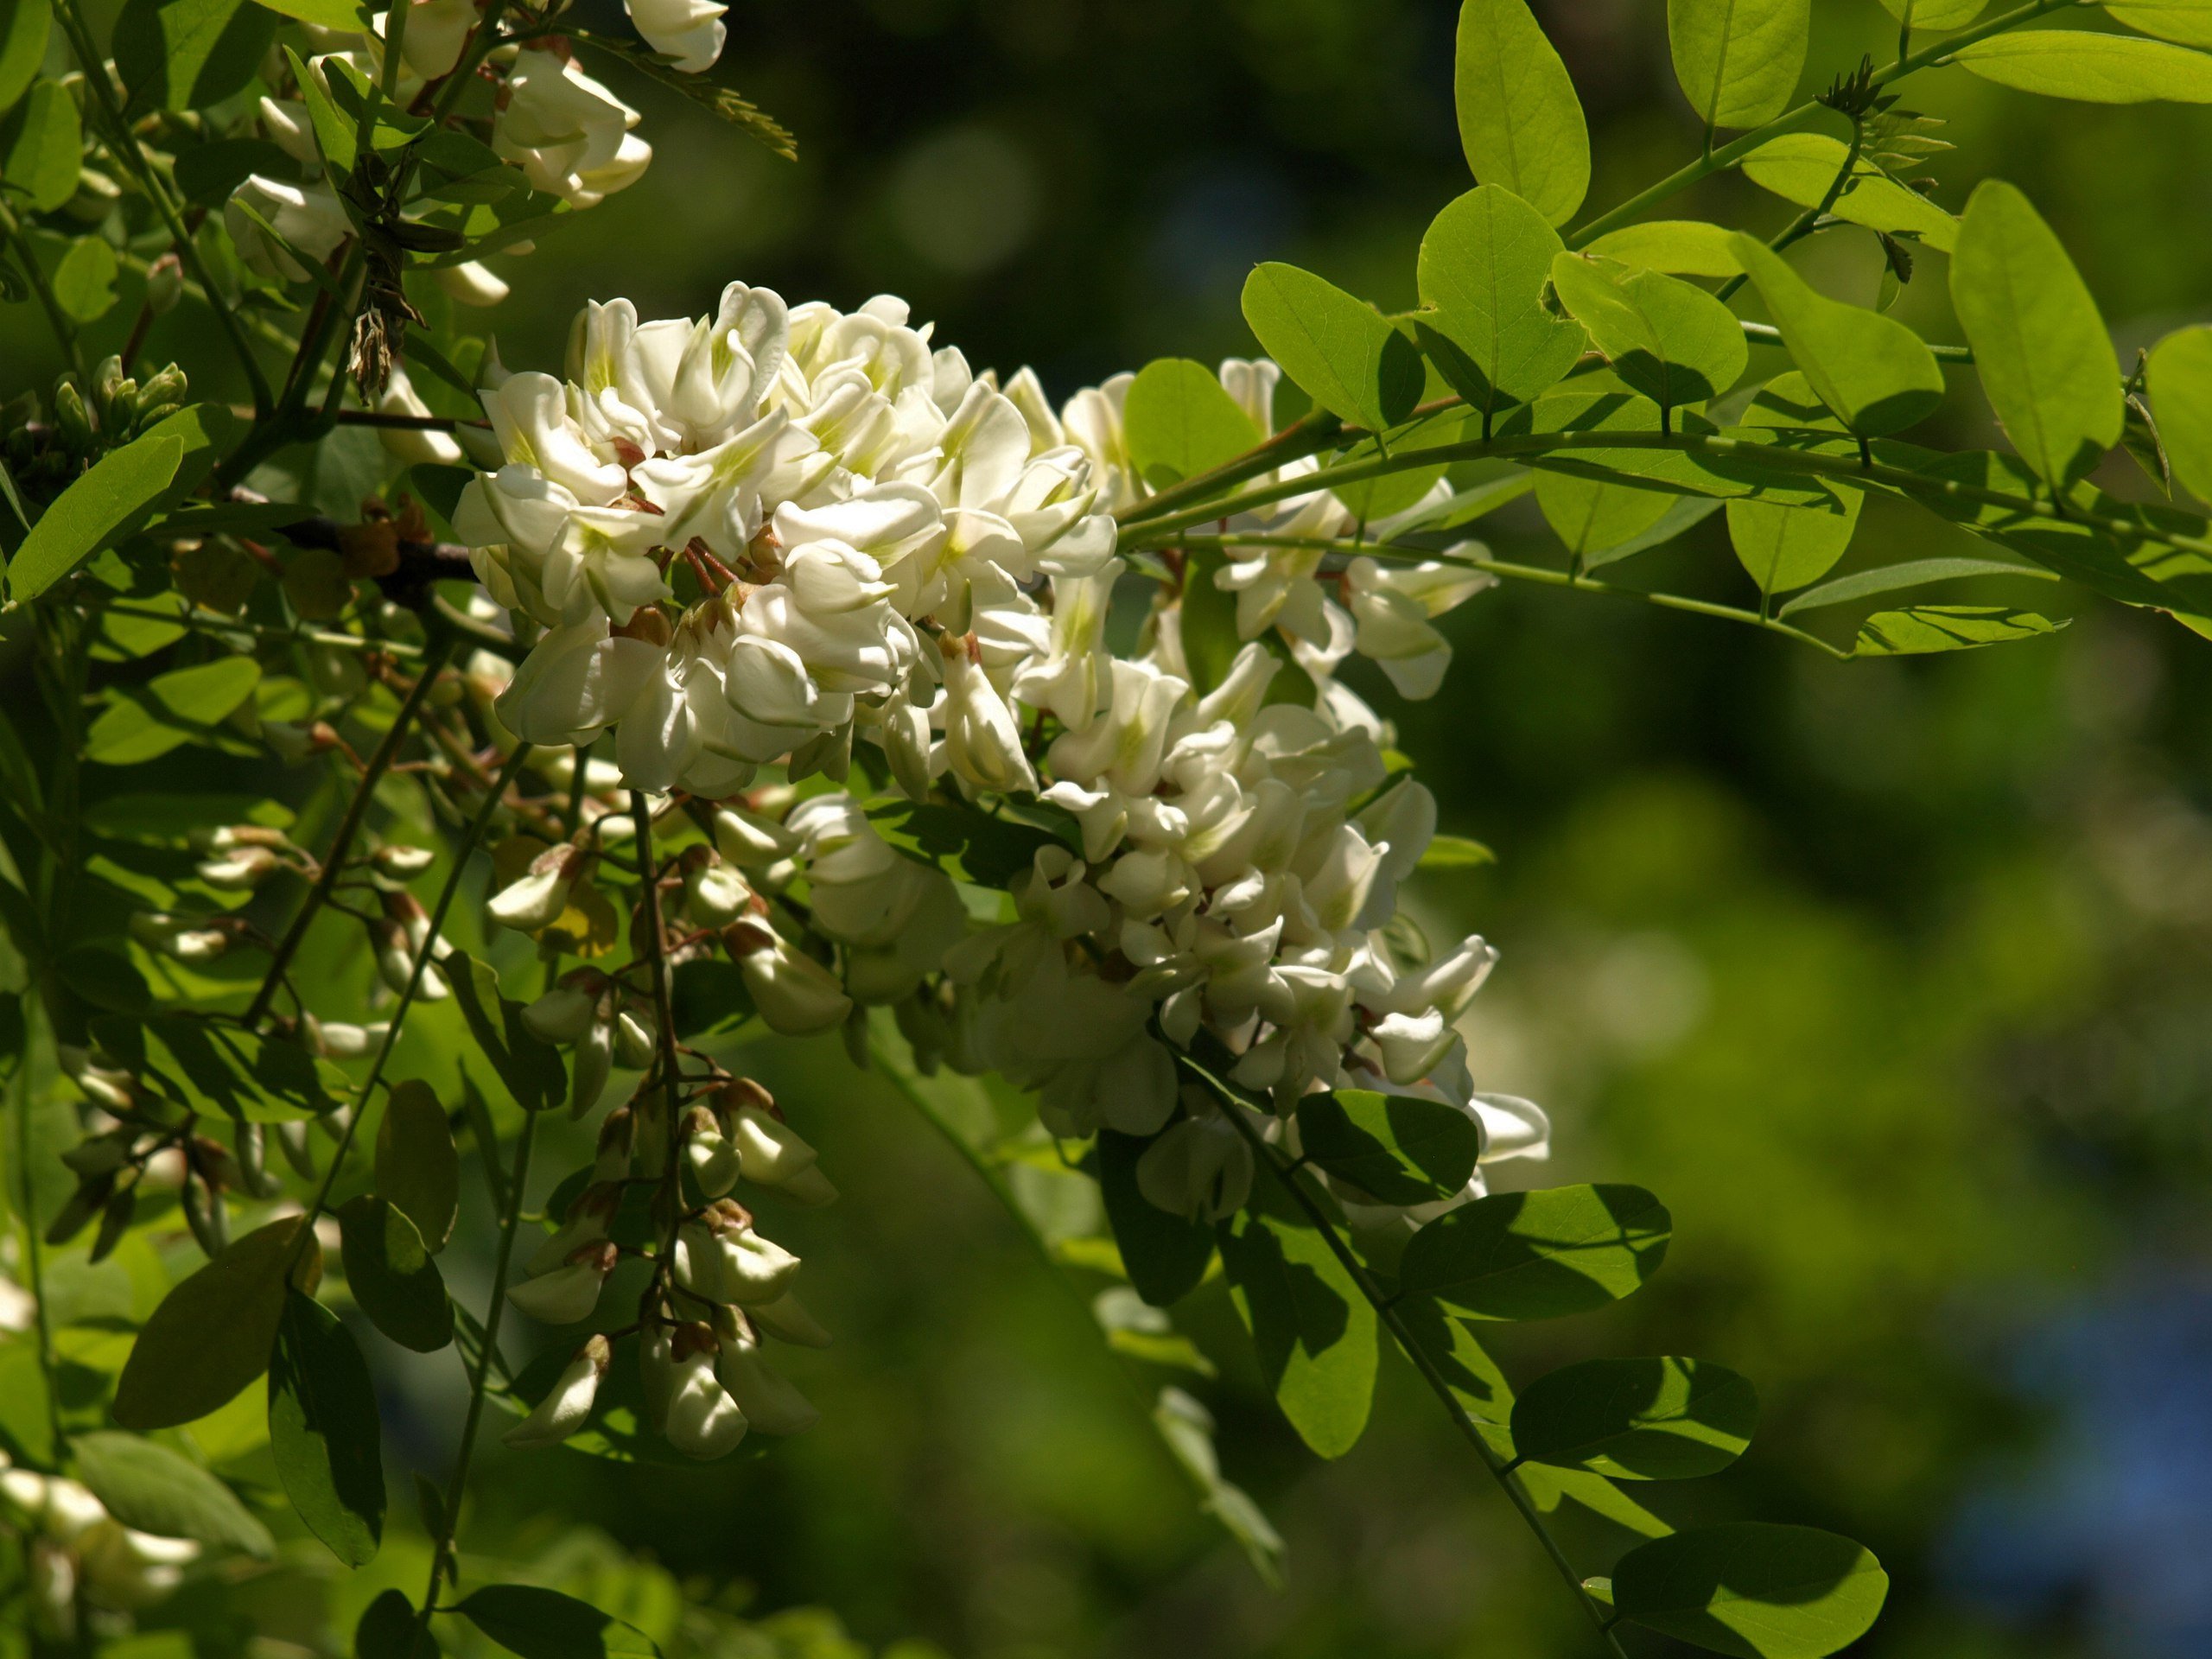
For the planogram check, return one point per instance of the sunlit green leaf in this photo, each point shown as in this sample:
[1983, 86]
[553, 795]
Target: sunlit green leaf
[1756, 1591]
[183, 54]
[151, 1488]
[24, 25]
[1875, 373]
[1339, 349]
[1738, 61]
[1455, 853]
[1637, 1419]
[1922, 628]
[212, 1335]
[86, 515]
[2091, 67]
[2180, 392]
[324, 14]
[324, 1433]
[144, 722]
[83, 281]
[222, 1070]
[1937, 13]
[2040, 347]
[1483, 267]
[1783, 547]
[1681, 247]
[2189, 22]
[392, 1274]
[1539, 1254]
[1671, 341]
[1180, 423]
[1400, 1149]
[1915, 573]
[41, 146]
[1520, 122]
[1313, 1331]
[1799, 167]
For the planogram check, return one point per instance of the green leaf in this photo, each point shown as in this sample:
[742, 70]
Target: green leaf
[324, 1432]
[1591, 518]
[2180, 381]
[1455, 853]
[1548, 1488]
[1683, 514]
[183, 54]
[1937, 13]
[1472, 1377]
[1180, 423]
[41, 148]
[1341, 350]
[1914, 573]
[546, 1624]
[1874, 373]
[1681, 247]
[324, 14]
[85, 518]
[1919, 629]
[213, 1068]
[1520, 122]
[142, 723]
[2189, 22]
[151, 1489]
[966, 842]
[418, 1167]
[1799, 167]
[388, 1629]
[1165, 1256]
[530, 1067]
[1637, 1419]
[2040, 345]
[1400, 1148]
[1313, 1331]
[2091, 67]
[391, 1275]
[210, 1335]
[1484, 264]
[1738, 61]
[1540, 1255]
[83, 281]
[1756, 1591]
[1187, 1427]
[24, 25]
[1782, 547]
[1671, 341]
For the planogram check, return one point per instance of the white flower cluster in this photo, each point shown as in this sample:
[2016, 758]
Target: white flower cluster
[886, 543]
[571, 136]
[72, 1545]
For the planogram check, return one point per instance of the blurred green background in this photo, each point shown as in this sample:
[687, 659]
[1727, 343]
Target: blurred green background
[1892, 979]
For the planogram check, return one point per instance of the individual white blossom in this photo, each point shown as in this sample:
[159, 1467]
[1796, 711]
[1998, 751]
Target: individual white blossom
[305, 219]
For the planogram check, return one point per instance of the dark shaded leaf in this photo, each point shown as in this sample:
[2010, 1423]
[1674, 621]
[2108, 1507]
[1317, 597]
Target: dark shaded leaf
[212, 1335]
[392, 1276]
[1540, 1255]
[324, 1432]
[1401, 1148]
[1637, 1419]
[1164, 1256]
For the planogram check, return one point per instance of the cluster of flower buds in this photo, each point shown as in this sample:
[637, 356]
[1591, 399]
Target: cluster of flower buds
[45, 450]
[75, 1552]
[603, 1022]
[717, 1287]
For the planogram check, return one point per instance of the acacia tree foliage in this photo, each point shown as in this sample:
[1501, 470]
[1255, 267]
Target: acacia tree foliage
[206, 1123]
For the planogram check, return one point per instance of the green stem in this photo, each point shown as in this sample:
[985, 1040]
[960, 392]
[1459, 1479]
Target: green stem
[1386, 1310]
[124, 147]
[1802, 226]
[1509, 571]
[64, 330]
[34, 1246]
[341, 843]
[1718, 160]
[1899, 479]
[441, 1549]
[493, 797]
[1318, 430]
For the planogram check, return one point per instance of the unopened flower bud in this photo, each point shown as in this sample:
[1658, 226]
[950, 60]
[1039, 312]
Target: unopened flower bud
[703, 1420]
[634, 1038]
[715, 896]
[589, 1066]
[536, 900]
[401, 863]
[714, 1161]
[569, 1292]
[567, 1406]
[795, 995]
[164, 284]
[240, 870]
[292, 1141]
[724, 1260]
[769, 1401]
[611, 1162]
[338, 1040]
[774, 1155]
[249, 1141]
[750, 840]
[208, 1218]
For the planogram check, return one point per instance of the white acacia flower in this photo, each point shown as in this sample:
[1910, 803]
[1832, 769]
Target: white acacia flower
[567, 1406]
[306, 219]
[690, 31]
[571, 136]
